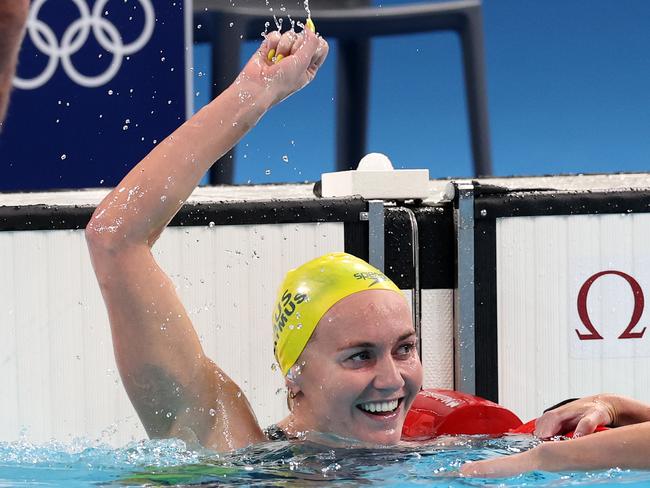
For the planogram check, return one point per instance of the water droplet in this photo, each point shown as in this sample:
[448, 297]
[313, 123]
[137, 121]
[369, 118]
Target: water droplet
[285, 158]
[110, 92]
[267, 172]
[163, 198]
[63, 156]
[212, 412]
[211, 224]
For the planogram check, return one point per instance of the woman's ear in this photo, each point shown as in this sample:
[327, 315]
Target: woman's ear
[292, 388]
[291, 382]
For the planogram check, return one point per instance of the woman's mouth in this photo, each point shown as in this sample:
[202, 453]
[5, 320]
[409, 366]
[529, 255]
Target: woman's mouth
[380, 408]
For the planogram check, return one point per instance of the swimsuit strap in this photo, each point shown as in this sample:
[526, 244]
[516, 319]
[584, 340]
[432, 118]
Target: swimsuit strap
[274, 433]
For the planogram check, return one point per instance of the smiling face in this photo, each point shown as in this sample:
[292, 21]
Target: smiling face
[360, 371]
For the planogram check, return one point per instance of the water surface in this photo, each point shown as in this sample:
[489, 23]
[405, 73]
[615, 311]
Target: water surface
[170, 463]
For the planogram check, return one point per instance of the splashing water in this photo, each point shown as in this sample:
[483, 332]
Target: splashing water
[278, 21]
[278, 24]
[303, 463]
[306, 5]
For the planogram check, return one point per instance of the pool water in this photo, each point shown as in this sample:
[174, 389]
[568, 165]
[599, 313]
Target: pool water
[169, 463]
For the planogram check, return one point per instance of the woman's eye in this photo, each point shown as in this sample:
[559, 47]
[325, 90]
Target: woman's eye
[405, 349]
[360, 356]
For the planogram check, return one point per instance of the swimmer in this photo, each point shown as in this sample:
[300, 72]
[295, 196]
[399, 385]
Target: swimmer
[625, 447]
[13, 15]
[350, 361]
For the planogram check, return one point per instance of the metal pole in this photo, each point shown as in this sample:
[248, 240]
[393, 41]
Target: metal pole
[416, 299]
[353, 67]
[476, 90]
[376, 234]
[464, 337]
[226, 48]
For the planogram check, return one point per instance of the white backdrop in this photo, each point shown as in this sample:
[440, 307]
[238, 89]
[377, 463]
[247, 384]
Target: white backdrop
[542, 264]
[58, 373]
[59, 378]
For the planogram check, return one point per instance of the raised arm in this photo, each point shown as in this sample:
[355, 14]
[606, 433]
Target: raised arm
[176, 390]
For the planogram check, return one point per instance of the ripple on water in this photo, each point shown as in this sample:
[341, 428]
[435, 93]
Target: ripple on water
[304, 463]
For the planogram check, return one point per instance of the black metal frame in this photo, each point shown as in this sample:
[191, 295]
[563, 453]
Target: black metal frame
[353, 29]
[50, 217]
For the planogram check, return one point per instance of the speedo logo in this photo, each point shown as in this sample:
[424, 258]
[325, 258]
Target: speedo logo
[285, 309]
[371, 275]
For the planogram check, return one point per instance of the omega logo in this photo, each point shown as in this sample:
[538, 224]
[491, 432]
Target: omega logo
[639, 303]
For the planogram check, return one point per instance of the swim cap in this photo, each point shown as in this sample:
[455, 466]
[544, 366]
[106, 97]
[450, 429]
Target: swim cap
[309, 291]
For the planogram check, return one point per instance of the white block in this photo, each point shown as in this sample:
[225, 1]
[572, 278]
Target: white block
[375, 178]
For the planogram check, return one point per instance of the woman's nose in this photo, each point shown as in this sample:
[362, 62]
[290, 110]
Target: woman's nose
[387, 375]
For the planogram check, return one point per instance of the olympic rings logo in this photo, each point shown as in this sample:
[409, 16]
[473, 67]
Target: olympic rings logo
[75, 36]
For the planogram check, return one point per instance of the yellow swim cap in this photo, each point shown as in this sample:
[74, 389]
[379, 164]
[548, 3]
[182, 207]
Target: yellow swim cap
[309, 291]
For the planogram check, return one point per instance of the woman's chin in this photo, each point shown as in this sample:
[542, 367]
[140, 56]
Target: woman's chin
[388, 437]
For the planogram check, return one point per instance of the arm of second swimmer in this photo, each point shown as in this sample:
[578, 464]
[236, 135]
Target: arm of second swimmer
[624, 447]
[586, 414]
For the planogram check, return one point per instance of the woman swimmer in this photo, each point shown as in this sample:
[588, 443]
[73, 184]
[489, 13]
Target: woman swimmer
[625, 447]
[348, 352]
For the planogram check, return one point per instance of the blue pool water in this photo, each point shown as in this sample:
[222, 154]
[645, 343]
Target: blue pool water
[169, 463]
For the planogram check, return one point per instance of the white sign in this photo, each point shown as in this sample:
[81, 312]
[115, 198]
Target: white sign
[571, 311]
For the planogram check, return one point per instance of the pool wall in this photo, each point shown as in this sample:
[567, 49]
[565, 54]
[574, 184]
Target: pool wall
[572, 270]
[558, 273]
[226, 257]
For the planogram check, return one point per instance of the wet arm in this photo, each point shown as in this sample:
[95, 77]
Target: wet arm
[176, 390]
[586, 414]
[625, 447]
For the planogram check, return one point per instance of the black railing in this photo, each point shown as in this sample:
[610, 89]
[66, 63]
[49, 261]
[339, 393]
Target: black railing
[225, 27]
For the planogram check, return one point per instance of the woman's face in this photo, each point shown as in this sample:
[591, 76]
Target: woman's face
[360, 371]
